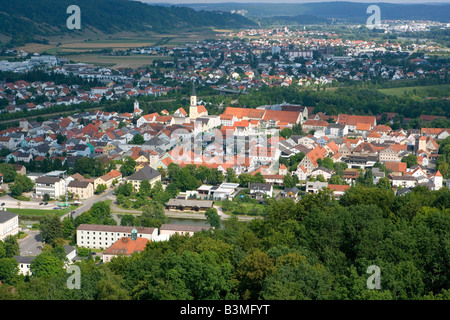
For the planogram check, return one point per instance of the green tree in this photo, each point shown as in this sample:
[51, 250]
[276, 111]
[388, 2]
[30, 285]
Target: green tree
[8, 172]
[25, 182]
[17, 190]
[100, 188]
[145, 188]
[128, 166]
[213, 217]
[46, 265]
[137, 139]
[9, 247]
[288, 181]
[127, 220]
[8, 270]
[251, 273]
[153, 215]
[51, 228]
[410, 159]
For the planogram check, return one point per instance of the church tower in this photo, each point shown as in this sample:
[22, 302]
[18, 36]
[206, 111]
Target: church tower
[193, 106]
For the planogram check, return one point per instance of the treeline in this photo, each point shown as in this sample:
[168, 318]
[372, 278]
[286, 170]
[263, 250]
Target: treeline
[350, 100]
[318, 248]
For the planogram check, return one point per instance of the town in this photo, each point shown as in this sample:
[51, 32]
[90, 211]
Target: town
[117, 152]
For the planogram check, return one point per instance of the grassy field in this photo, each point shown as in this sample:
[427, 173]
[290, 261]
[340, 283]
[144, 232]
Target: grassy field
[402, 90]
[40, 212]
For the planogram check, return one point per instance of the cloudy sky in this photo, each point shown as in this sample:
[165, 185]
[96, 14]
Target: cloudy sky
[292, 1]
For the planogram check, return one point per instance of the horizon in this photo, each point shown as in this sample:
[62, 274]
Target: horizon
[292, 1]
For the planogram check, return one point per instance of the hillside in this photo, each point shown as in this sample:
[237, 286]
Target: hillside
[28, 18]
[350, 11]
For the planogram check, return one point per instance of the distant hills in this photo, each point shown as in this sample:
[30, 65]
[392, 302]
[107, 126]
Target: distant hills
[26, 18]
[350, 11]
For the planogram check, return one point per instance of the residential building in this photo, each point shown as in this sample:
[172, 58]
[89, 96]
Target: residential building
[96, 236]
[81, 189]
[9, 224]
[55, 187]
[146, 173]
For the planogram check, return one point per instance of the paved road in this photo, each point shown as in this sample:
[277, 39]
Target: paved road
[29, 245]
[87, 204]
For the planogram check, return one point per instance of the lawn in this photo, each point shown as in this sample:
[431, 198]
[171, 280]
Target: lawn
[40, 212]
[247, 206]
[400, 91]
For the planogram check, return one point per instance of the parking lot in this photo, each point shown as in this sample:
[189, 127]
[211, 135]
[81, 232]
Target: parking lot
[31, 245]
[9, 202]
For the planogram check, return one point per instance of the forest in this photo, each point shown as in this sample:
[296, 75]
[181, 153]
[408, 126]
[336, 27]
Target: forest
[318, 248]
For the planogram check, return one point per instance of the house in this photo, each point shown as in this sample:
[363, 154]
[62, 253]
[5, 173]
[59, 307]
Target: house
[55, 187]
[353, 120]
[95, 236]
[291, 193]
[9, 224]
[81, 150]
[125, 246]
[309, 162]
[322, 171]
[71, 253]
[403, 181]
[396, 168]
[81, 189]
[350, 176]
[146, 173]
[301, 173]
[259, 190]
[338, 190]
[24, 263]
[20, 169]
[389, 154]
[315, 186]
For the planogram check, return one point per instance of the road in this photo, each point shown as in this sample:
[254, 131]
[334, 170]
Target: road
[87, 204]
[29, 245]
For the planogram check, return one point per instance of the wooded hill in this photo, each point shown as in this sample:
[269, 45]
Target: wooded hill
[48, 17]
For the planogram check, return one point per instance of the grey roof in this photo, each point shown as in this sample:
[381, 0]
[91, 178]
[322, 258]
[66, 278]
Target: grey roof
[45, 179]
[68, 249]
[78, 184]
[109, 228]
[23, 259]
[146, 173]
[6, 216]
[293, 189]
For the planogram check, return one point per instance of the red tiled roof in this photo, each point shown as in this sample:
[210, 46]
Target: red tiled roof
[127, 246]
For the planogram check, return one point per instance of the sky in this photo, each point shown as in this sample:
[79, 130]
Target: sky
[293, 1]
